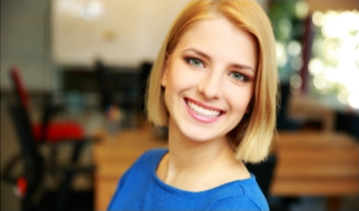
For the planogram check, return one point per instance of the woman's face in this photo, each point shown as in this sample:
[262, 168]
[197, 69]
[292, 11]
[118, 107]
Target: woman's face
[209, 80]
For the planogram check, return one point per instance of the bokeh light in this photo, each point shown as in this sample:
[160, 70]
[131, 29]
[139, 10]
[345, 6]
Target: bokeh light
[335, 64]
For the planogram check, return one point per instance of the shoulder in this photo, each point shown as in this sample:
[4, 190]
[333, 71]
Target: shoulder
[136, 177]
[244, 195]
[148, 161]
[152, 156]
[240, 203]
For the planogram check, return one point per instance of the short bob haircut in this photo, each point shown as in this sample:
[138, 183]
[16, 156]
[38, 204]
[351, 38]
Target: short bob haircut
[251, 138]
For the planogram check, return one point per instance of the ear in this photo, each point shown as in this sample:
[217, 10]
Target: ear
[164, 77]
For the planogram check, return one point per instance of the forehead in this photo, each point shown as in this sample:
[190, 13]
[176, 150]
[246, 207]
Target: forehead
[221, 39]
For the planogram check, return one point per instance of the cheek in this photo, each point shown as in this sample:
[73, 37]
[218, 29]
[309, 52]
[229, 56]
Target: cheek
[239, 99]
[180, 77]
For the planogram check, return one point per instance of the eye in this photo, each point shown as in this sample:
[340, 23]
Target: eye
[238, 76]
[194, 62]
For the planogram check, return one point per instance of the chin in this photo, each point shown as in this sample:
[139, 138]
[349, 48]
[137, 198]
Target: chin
[198, 135]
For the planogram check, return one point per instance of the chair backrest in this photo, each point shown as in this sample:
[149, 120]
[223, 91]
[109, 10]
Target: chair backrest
[105, 85]
[19, 85]
[33, 161]
[264, 172]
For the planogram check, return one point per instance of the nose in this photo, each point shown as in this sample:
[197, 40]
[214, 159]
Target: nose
[210, 85]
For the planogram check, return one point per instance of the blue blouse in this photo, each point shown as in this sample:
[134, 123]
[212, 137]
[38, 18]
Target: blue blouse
[141, 189]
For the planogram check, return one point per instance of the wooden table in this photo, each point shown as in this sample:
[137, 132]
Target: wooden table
[316, 164]
[113, 155]
[313, 164]
[304, 108]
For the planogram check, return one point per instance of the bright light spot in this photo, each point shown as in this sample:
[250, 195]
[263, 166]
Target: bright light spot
[336, 63]
[297, 63]
[319, 83]
[330, 50]
[301, 8]
[346, 51]
[315, 66]
[342, 97]
[353, 101]
[334, 75]
[281, 56]
[92, 9]
[339, 25]
[294, 48]
[318, 18]
[329, 29]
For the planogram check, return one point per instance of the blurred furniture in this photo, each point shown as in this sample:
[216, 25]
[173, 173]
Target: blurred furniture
[313, 164]
[120, 87]
[264, 172]
[284, 121]
[31, 137]
[113, 155]
[49, 132]
[106, 86]
[304, 108]
[316, 164]
[348, 121]
[30, 183]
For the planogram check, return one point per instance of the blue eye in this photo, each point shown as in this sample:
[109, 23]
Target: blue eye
[238, 76]
[195, 62]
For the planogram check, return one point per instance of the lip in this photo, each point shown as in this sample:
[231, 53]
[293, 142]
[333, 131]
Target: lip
[201, 118]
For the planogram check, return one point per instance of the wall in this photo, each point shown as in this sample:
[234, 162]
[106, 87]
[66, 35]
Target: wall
[39, 38]
[121, 33]
[24, 42]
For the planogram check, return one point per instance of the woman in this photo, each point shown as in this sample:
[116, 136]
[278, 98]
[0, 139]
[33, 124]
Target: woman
[214, 85]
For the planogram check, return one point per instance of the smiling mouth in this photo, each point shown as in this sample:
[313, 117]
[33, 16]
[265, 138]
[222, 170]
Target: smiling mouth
[201, 111]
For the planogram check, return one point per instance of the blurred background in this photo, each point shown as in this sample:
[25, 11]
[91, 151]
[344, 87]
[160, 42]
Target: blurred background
[71, 70]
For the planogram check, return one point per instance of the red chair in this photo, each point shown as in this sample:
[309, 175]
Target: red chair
[49, 132]
[52, 133]
[30, 183]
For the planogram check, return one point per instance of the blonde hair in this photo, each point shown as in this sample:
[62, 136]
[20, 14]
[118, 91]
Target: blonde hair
[252, 137]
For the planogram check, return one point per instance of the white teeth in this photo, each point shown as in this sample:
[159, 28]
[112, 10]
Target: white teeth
[203, 111]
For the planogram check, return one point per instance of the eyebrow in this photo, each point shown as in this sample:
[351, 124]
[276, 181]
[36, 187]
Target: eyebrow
[239, 66]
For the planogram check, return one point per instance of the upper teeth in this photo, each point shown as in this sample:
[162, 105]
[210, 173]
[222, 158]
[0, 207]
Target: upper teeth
[202, 111]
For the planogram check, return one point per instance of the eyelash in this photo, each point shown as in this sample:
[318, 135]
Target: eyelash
[244, 77]
[189, 61]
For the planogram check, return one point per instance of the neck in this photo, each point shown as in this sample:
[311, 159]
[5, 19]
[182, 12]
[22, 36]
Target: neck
[187, 154]
[199, 165]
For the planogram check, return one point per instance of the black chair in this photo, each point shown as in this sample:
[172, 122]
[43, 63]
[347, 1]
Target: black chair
[62, 197]
[106, 86]
[49, 132]
[264, 172]
[283, 121]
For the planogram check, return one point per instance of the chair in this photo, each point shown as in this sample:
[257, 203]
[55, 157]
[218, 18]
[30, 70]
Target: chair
[283, 121]
[106, 86]
[49, 132]
[34, 171]
[34, 135]
[264, 172]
